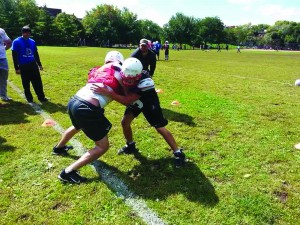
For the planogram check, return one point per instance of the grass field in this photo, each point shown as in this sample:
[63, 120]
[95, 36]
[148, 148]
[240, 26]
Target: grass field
[238, 121]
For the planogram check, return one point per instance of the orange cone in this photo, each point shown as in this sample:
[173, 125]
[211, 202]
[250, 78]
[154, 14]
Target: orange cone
[175, 102]
[48, 123]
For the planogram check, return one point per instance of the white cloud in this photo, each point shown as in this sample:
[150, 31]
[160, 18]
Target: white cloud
[278, 12]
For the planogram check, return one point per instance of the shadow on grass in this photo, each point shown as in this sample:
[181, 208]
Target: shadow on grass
[158, 180]
[51, 107]
[178, 117]
[4, 147]
[15, 113]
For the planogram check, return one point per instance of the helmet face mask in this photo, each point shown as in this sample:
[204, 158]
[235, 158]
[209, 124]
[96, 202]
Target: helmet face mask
[114, 56]
[130, 81]
[131, 72]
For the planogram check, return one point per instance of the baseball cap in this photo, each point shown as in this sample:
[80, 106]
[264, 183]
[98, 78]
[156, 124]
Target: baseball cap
[143, 42]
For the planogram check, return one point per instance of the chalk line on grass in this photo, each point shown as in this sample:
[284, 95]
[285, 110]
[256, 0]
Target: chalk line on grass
[138, 205]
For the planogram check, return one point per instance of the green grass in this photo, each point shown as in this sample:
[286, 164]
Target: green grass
[238, 121]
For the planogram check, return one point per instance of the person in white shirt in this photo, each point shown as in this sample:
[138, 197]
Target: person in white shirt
[5, 44]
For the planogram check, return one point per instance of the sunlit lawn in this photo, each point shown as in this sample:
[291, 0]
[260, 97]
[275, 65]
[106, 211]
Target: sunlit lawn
[238, 120]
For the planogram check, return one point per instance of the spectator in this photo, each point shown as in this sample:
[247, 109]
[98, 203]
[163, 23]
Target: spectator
[27, 63]
[238, 49]
[146, 56]
[157, 49]
[166, 47]
[5, 44]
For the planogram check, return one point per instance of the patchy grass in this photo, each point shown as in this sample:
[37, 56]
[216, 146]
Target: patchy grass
[237, 121]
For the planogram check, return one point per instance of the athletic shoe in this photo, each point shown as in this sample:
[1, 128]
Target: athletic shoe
[6, 98]
[72, 177]
[128, 149]
[44, 100]
[179, 158]
[61, 151]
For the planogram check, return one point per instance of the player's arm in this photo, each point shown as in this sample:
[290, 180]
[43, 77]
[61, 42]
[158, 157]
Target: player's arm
[125, 100]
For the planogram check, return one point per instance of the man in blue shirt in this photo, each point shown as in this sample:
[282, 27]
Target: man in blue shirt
[27, 63]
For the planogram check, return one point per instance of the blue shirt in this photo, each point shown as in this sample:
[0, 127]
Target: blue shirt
[25, 49]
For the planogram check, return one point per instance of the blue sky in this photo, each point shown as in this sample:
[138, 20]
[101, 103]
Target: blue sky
[231, 12]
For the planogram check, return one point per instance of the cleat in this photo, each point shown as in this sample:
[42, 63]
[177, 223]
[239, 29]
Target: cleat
[128, 149]
[72, 177]
[44, 100]
[179, 158]
[6, 98]
[61, 151]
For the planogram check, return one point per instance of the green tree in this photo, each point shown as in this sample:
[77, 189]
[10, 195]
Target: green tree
[180, 29]
[130, 28]
[68, 30]
[102, 25]
[28, 12]
[211, 30]
[9, 18]
[44, 30]
[150, 30]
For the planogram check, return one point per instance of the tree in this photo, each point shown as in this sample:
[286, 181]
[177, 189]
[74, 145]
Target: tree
[130, 27]
[44, 30]
[9, 18]
[68, 29]
[211, 30]
[150, 30]
[180, 29]
[28, 12]
[102, 25]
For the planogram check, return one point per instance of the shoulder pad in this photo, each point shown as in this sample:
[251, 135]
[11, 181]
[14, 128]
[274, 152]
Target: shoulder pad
[146, 84]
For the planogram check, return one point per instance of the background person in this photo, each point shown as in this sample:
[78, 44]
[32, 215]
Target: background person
[146, 56]
[5, 44]
[166, 48]
[27, 63]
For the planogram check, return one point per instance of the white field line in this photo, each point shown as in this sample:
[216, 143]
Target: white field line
[138, 205]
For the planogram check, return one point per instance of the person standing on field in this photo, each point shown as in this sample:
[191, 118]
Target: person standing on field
[166, 48]
[146, 56]
[27, 63]
[5, 44]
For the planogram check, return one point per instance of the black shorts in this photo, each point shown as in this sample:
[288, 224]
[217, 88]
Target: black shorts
[89, 118]
[151, 109]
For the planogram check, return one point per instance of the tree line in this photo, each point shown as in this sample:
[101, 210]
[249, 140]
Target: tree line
[107, 25]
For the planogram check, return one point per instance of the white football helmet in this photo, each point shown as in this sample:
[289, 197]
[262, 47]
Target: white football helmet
[131, 71]
[114, 56]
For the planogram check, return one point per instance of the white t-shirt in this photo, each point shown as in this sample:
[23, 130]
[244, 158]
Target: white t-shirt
[3, 38]
[86, 91]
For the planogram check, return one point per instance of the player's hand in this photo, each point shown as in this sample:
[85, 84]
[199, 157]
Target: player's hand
[18, 72]
[41, 68]
[100, 89]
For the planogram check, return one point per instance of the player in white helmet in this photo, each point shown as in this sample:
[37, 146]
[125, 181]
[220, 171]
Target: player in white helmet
[86, 111]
